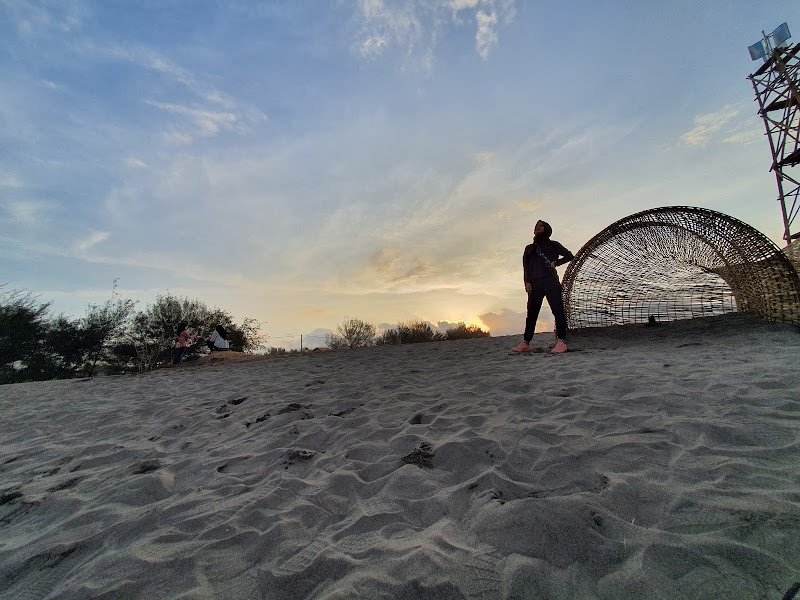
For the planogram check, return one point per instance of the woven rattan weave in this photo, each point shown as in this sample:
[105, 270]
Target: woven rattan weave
[678, 262]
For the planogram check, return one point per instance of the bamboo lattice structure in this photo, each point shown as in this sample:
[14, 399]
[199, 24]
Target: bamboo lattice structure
[678, 262]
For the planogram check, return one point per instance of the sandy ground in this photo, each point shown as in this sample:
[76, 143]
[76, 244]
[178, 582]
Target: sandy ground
[644, 463]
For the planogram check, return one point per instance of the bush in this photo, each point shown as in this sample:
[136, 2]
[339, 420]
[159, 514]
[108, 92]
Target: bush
[390, 337]
[415, 332]
[463, 332]
[152, 332]
[412, 332]
[351, 333]
[103, 327]
[34, 347]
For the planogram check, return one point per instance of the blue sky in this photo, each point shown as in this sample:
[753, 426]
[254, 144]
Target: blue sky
[300, 162]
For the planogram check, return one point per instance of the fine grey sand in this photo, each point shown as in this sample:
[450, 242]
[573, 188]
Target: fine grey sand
[647, 462]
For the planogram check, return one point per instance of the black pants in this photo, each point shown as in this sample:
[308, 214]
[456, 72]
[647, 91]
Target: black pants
[213, 348]
[179, 355]
[550, 288]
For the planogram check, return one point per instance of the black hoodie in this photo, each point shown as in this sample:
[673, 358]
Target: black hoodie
[534, 266]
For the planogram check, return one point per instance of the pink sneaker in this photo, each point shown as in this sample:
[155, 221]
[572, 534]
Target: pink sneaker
[560, 347]
[523, 347]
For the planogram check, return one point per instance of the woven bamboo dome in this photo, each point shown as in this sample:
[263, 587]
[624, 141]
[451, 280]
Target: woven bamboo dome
[678, 262]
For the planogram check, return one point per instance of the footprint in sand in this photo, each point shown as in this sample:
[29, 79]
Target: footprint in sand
[302, 560]
[480, 577]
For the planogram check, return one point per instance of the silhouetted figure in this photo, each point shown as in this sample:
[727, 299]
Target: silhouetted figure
[539, 262]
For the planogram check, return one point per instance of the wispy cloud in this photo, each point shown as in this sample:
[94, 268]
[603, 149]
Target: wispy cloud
[710, 126]
[22, 212]
[32, 19]
[486, 37]
[205, 123]
[203, 113]
[94, 238]
[135, 163]
[416, 26]
[10, 180]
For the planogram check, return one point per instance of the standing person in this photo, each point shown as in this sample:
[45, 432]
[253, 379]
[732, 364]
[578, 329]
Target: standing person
[182, 337]
[539, 262]
[218, 340]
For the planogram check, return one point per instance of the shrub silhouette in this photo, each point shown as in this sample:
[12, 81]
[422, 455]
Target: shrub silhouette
[416, 332]
[351, 333]
[463, 331]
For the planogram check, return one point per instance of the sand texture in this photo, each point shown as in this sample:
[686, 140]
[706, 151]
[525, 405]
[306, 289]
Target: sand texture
[646, 462]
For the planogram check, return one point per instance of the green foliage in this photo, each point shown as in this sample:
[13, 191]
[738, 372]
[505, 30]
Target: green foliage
[34, 346]
[152, 332]
[352, 333]
[104, 326]
[23, 328]
[244, 337]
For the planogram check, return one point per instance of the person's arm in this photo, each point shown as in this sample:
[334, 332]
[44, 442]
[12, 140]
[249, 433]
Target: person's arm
[565, 254]
[525, 281]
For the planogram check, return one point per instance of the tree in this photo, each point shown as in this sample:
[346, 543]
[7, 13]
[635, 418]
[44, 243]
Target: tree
[150, 337]
[23, 327]
[351, 333]
[242, 338]
[103, 326]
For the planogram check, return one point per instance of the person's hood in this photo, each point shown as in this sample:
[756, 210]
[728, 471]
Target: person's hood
[548, 231]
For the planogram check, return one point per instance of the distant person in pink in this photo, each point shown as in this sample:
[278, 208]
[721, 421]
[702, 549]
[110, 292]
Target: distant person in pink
[539, 262]
[182, 337]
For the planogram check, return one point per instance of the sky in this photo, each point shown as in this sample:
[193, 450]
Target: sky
[301, 162]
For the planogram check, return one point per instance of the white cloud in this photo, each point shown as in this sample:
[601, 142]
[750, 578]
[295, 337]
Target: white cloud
[10, 180]
[708, 125]
[458, 5]
[206, 123]
[416, 26]
[135, 162]
[94, 238]
[486, 36]
[26, 212]
[32, 19]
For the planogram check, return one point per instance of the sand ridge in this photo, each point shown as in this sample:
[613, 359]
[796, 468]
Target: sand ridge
[645, 463]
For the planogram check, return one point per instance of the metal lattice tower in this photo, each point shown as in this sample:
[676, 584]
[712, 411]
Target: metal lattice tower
[777, 89]
[678, 262]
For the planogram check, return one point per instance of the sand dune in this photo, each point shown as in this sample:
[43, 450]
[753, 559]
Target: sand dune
[645, 463]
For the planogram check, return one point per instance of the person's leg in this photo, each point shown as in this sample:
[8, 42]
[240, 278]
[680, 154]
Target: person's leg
[210, 345]
[535, 297]
[179, 356]
[556, 301]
